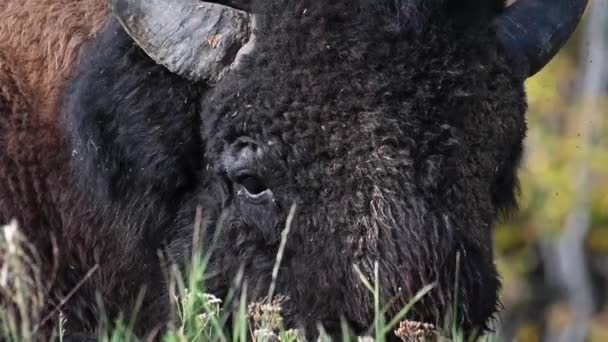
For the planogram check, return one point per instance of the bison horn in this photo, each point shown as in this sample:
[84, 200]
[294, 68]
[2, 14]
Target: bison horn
[194, 39]
[533, 31]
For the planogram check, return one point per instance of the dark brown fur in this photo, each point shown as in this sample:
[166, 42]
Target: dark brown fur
[40, 43]
[37, 190]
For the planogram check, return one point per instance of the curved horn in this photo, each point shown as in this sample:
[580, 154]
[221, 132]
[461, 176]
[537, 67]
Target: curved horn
[194, 39]
[533, 31]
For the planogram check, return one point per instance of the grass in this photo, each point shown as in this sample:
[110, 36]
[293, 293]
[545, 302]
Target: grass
[199, 316]
[20, 285]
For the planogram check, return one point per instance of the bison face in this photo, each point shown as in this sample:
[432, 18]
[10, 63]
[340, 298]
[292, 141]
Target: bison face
[394, 132]
[390, 131]
[391, 149]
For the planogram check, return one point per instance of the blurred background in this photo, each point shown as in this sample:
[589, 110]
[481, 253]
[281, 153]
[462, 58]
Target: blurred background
[553, 253]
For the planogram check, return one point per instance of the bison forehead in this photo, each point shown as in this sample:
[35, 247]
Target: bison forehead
[316, 101]
[341, 111]
[402, 13]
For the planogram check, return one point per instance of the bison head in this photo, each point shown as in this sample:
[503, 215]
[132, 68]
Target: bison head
[390, 130]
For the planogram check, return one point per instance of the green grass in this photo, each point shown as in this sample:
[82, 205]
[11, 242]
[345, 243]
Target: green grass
[199, 316]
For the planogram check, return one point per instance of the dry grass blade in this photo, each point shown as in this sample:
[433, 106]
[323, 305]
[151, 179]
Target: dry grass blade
[412, 331]
[21, 286]
[277, 264]
[65, 299]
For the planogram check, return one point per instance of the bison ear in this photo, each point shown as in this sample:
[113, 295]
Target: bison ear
[194, 39]
[533, 31]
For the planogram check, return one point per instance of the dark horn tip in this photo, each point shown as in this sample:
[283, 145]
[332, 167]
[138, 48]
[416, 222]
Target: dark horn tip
[533, 31]
[243, 5]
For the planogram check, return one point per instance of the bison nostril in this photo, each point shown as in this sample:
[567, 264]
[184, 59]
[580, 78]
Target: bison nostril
[252, 184]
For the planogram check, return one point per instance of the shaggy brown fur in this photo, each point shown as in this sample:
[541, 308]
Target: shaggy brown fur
[37, 190]
[40, 42]
[24, 143]
[50, 34]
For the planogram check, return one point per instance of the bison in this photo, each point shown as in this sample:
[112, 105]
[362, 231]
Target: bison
[388, 132]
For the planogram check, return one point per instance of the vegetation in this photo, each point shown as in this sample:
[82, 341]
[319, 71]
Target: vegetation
[200, 316]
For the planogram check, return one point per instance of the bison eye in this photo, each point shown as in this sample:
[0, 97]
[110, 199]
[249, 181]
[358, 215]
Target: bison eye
[252, 184]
